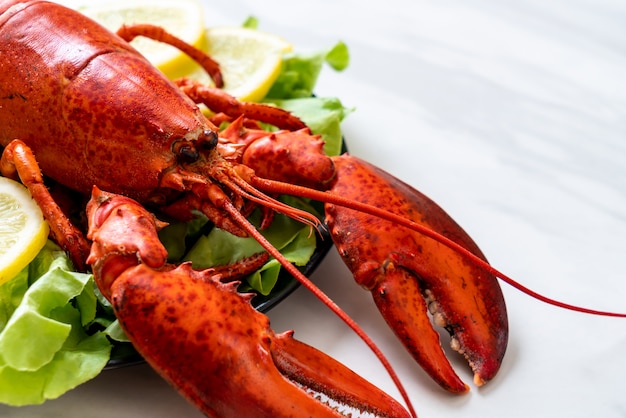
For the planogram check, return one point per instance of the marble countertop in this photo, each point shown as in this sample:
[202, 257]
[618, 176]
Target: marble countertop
[512, 116]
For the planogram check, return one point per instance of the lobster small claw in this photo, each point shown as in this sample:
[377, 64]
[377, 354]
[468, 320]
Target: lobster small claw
[410, 274]
[294, 157]
[206, 339]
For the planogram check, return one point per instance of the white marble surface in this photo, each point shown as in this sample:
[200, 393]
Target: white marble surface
[512, 116]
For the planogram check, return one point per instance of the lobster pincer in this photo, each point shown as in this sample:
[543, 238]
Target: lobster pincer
[407, 271]
[204, 337]
[410, 274]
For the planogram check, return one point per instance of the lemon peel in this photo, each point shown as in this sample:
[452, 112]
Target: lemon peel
[23, 230]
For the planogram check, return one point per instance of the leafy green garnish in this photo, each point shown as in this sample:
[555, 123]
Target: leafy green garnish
[300, 71]
[293, 90]
[251, 23]
[296, 242]
[44, 348]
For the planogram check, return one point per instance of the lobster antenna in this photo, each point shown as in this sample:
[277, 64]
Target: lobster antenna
[244, 189]
[316, 291]
[329, 197]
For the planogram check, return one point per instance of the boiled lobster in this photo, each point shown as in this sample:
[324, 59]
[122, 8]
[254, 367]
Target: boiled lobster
[84, 106]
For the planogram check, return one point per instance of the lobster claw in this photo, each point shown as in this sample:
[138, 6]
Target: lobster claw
[220, 353]
[204, 337]
[410, 274]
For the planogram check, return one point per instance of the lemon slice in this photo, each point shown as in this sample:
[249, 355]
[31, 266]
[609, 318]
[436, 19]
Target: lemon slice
[182, 18]
[23, 231]
[250, 59]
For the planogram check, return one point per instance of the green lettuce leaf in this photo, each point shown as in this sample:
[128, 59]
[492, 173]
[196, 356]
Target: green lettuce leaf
[300, 71]
[44, 348]
[298, 251]
[294, 88]
[296, 241]
[251, 23]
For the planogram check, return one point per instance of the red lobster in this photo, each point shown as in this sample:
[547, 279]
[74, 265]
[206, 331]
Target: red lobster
[95, 113]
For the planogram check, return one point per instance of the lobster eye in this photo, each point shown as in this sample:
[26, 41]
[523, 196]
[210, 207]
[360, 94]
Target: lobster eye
[186, 152]
[208, 140]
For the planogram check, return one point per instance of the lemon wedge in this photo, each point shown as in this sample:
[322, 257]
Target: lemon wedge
[250, 60]
[23, 231]
[182, 18]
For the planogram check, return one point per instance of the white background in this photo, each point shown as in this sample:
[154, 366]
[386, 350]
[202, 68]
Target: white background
[512, 116]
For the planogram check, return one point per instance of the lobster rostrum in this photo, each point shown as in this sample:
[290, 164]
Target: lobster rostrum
[89, 110]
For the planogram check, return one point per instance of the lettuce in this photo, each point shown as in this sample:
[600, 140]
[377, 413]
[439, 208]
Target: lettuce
[217, 247]
[300, 71]
[294, 88]
[44, 347]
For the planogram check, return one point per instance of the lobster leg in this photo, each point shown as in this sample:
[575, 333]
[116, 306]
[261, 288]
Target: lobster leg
[157, 33]
[18, 162]
[204, 337]
[219, 100]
